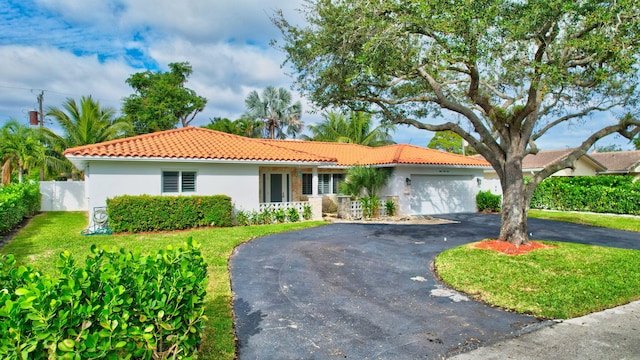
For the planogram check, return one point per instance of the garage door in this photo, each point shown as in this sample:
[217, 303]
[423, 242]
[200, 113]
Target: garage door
[433, 194]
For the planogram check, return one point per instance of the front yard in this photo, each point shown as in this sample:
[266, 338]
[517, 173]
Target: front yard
[48, 234]
[567, 281]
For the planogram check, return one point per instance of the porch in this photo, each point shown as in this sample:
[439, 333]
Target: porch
[297, 187]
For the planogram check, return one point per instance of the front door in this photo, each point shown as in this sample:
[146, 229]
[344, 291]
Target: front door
[277, 187]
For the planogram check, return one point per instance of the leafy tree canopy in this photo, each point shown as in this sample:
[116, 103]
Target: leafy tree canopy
[511, 70]
[161, 100]
[356, 128]
[450, 142]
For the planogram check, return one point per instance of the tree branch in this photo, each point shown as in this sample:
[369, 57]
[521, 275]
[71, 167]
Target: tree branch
[568, 117]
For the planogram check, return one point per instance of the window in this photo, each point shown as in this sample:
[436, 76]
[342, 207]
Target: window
[307, 184]
[188, 181]
[327, 183]
[337, 179]
[324, 184]
[178, 181]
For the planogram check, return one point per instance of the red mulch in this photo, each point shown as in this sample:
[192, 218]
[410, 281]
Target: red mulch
[508, 248]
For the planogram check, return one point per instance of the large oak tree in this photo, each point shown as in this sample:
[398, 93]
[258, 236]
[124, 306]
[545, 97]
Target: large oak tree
[509, 70]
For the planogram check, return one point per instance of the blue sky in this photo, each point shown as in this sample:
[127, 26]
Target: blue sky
[74, 48]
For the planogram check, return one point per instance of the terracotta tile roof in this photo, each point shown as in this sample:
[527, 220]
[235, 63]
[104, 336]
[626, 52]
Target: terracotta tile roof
[200, 143]
[194, 143]
[618, 161]
[353, 154]
[415, 155]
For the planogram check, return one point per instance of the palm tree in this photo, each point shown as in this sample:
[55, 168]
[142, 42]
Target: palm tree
[22, 150]
[280, 116]
[87, 123]
[243, 126]
[356, 129]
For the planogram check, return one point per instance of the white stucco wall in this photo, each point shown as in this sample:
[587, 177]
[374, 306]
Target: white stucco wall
[397, 183]
[107, 179]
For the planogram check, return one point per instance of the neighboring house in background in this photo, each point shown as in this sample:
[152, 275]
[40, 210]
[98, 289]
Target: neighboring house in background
[619, 162]
[255, 172]
[533, 164]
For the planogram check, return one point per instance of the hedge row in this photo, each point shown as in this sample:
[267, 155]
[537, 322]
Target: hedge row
[120, 305]
[601, 194]
[488, 202]
[18, 201]
[160, 213]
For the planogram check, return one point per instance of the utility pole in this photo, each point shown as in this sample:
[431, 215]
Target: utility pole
[40, 101]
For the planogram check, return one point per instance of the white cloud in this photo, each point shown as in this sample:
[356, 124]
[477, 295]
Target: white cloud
[72, 48]
[27, 70]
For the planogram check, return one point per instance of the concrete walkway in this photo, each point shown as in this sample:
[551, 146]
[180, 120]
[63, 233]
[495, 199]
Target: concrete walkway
[606, 335]
[367, 292]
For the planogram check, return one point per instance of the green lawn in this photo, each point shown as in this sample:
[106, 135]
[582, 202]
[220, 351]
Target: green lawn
[48, 234]
[564, 282]
[608, 221]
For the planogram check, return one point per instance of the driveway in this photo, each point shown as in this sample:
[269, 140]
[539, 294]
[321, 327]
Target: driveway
[360, 291]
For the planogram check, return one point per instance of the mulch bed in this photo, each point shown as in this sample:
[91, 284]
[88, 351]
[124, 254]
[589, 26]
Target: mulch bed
[508, 248]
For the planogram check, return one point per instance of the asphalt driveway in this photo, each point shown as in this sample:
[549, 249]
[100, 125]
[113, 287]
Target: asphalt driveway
[355, 291]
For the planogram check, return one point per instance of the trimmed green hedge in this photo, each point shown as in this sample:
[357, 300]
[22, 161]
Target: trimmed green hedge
[18, 201]
[600, 194]
[486, 201]
[161, 213]
[120, 305]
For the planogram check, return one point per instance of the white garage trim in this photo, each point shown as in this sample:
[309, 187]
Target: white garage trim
[442, 194]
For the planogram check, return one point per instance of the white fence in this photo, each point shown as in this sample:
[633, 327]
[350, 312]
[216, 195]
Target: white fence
[63, 196]
[357, 212]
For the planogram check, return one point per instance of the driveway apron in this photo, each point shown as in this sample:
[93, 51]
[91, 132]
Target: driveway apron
[365, 291]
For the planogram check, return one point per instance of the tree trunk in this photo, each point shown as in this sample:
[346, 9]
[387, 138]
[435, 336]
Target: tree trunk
[514, 206]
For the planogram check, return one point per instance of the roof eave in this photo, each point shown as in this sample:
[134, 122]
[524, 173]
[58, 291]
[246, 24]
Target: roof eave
[81, 161]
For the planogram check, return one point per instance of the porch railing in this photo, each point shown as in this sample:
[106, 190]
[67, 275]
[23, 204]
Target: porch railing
[298, 205]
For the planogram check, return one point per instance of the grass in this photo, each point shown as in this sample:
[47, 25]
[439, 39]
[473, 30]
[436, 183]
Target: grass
[608, 221]
[40, 242]
[568, 281]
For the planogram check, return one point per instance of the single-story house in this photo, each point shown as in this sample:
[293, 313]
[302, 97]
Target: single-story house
[619, 162]
[255, 172]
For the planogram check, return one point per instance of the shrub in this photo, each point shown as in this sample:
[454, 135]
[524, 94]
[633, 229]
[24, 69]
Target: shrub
[370, 206]
[18, 201]
[390, 207]
[159, 213]
[306, 212]
[119, 305]
[601, 194]
[292, 215]
[279, 215]
[242, 218]
[486, 201]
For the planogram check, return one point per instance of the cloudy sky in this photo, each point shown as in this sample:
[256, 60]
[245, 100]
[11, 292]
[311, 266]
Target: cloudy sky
[74, 48]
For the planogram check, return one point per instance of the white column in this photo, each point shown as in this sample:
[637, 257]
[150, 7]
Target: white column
[314, 181]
